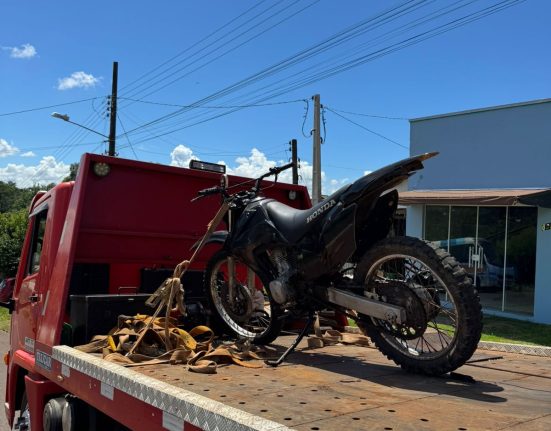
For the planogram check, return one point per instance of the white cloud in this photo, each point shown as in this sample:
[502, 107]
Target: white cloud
[181, 156]
[48, 170]
[28, 154]
[253, 166]
[77, 80]
[25, 51]
[7, 149]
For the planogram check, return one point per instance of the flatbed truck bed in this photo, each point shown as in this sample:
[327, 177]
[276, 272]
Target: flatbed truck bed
[331, 388]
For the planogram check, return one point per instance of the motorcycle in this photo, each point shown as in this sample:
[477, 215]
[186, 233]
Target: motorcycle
[412, 299]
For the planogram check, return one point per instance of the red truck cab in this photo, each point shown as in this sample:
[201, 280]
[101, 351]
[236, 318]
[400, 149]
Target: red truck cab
[93, 248]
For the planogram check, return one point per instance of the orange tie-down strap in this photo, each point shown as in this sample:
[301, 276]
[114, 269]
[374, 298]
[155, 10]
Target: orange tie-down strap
[332, 336]
[194, 349]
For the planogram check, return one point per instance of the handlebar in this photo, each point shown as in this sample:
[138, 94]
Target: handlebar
[206, 192]
[209, 191]
[215, 190]
[278, 169]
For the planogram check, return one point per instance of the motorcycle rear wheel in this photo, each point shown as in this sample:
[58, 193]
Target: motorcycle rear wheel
[253, 313]
[439, 294]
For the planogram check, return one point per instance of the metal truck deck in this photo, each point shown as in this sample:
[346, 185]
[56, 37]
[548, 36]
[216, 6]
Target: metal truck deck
[337, 388]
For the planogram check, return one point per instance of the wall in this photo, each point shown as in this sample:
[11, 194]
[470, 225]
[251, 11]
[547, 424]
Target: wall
[500, 148]
[414, 221]
[542, 300]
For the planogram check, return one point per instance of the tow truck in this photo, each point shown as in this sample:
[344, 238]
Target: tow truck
[94, 249]
[98, 247]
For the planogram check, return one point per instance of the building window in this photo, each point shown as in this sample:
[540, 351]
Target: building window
[497, 247]
[437, 220]
[521, 260]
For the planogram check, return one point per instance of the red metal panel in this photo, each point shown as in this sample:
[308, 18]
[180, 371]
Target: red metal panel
[38, 392]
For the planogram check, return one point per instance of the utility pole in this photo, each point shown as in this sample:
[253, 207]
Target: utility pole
[316, 160]
[294, 159]
[113, 110]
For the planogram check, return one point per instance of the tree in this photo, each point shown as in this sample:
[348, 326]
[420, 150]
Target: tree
[12, 234]
[73, 171]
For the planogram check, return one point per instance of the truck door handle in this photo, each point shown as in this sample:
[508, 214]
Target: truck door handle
[33, 297]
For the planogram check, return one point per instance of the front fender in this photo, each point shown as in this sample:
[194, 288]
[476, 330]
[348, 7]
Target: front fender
[218, 237]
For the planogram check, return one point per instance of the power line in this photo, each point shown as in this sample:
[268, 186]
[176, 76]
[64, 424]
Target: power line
[368, 115]
[251, 105]
[192, 46]
[64, 149]
[377, 54]
[127, 139]
[369, 130]
[302, 55]
[227, 43]
[47, 107]
[311, 78]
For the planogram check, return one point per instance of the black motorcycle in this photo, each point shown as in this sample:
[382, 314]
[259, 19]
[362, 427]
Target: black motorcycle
[412, 299]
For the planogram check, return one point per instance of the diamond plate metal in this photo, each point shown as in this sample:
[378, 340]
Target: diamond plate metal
[515, 348]
[196, 409]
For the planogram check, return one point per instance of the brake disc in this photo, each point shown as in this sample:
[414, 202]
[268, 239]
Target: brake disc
[400, 294]
[241, 308]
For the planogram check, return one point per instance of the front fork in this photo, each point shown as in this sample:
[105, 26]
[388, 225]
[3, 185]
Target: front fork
[251, 285]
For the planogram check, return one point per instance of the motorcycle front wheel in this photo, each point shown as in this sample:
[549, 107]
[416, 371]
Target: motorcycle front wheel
[444, 319]
[244, 307]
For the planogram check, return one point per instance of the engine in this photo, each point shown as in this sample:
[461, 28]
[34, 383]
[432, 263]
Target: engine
[285, 265]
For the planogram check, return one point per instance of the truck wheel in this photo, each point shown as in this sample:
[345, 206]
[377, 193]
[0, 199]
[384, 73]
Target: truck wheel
[53, 414]
[251, 312]
[23, 422]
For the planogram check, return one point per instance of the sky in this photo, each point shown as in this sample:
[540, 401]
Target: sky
[232, 81]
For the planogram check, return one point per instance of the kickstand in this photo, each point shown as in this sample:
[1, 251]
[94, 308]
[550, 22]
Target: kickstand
[293, 346]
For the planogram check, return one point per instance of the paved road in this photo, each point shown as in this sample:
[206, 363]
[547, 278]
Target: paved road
[4, 347]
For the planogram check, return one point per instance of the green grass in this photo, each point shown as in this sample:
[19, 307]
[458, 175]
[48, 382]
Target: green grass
[503, 330]
[4, 319]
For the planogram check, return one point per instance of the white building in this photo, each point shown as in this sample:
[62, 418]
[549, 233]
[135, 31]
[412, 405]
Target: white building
[487, 199]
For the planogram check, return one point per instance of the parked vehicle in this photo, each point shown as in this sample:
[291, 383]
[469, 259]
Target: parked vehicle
[414, 300]
[479, 258]
[94, 249]
[98, 247]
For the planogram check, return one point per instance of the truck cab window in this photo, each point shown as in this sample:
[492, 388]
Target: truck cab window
[36, 242]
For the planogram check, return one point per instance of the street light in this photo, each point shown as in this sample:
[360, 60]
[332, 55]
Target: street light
[65, 117]
[110, 138]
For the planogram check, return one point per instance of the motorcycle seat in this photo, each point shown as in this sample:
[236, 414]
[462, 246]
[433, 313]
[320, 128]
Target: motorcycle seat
[294, 223]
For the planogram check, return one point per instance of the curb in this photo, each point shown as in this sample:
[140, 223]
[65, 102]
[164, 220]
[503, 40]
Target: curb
[522, 349]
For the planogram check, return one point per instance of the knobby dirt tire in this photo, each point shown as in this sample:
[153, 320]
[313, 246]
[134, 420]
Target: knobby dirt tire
[459, 287]
[221, 323]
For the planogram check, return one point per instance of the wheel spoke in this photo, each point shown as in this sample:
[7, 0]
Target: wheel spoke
[243, 312]
[422, 281]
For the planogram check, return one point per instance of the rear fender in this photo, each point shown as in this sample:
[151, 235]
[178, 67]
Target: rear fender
[375, 183]
[377, 223]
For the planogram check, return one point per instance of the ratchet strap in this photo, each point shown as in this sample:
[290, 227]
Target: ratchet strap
[332, 336]
[140, 340]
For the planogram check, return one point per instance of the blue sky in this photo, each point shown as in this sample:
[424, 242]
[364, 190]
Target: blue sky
[178, 53]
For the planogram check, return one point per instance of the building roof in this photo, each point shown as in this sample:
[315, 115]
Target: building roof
[490, 108]
[485, 197]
